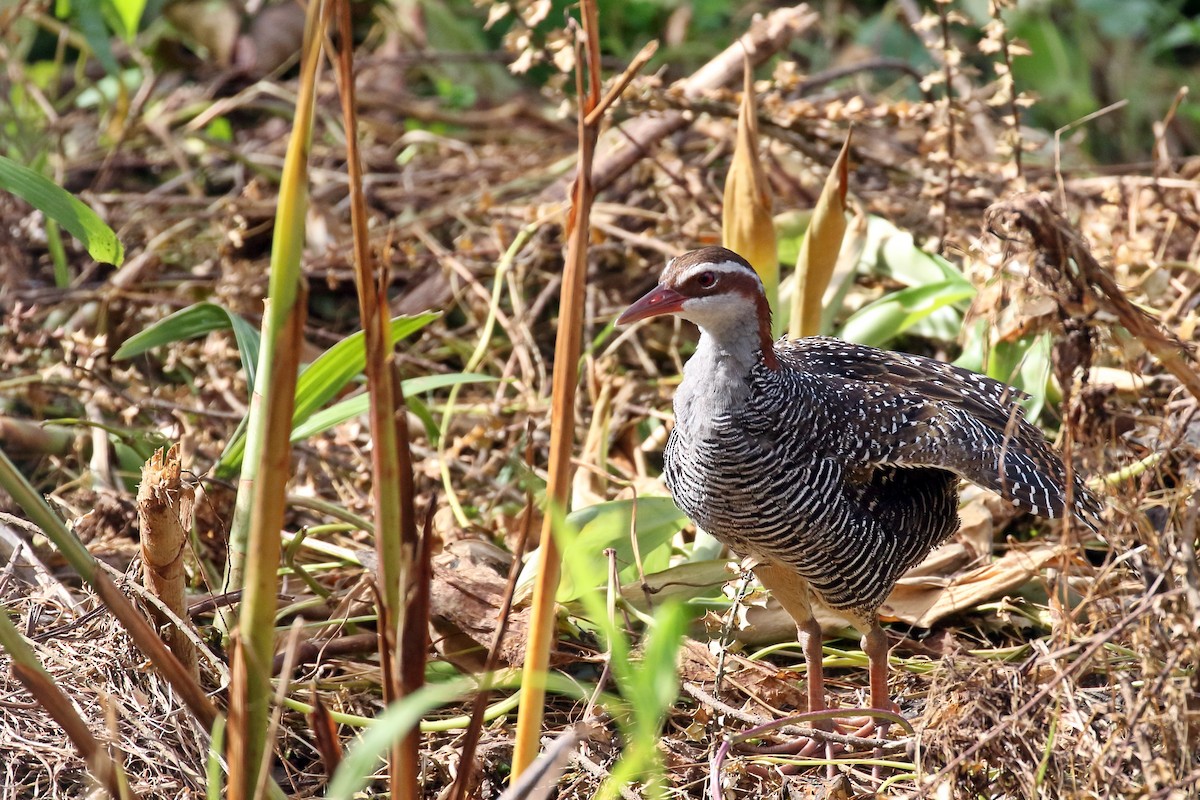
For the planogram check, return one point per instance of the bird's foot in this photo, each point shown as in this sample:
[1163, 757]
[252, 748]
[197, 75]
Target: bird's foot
[876, 728]
[844, 739]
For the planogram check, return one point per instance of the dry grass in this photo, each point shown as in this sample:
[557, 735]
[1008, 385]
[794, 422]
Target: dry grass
[161, 747]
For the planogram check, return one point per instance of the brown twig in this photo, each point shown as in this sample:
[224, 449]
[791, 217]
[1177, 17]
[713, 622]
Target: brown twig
[951, 131]
[1014, 108]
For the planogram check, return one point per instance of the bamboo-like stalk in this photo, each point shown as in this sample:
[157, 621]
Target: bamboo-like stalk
[254, 646]
[287, 247]
[268, 452]
[566, 376]
[567, 347]
[164, 507]
[396, 540]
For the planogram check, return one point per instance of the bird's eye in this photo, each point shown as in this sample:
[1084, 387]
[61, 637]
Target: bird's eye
[707, 280]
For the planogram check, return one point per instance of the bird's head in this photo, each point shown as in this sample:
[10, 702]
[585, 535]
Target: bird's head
[714, 288]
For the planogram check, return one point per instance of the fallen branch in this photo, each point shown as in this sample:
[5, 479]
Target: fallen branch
[620, 150]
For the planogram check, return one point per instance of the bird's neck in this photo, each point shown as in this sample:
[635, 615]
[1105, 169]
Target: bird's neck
[716, 379]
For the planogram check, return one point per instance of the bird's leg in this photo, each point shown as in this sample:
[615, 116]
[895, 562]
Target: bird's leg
[809, 633]
[793, 594]
[875, 645]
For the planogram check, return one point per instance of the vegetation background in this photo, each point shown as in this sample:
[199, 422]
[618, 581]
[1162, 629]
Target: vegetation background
[1023, 187]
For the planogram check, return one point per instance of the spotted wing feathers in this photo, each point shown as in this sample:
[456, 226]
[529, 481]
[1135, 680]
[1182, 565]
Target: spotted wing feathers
[906, 411]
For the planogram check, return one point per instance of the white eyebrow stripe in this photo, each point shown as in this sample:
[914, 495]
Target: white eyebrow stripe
[720, 267]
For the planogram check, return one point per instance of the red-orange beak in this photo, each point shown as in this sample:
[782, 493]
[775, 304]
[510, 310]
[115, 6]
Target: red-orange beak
[659, 300]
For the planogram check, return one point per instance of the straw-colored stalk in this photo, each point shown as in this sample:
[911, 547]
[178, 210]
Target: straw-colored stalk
[566, 376]
[747, 224]
[820, 248]
[403, 588]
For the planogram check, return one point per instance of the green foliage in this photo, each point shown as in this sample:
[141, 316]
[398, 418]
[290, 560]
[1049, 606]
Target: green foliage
[317, 384]
[191, 323]
[402, 716]
[932, 305]
[648, 685]
[96, 19]
[613, 525]
[88, 16]
[1023, 363]
[878, 323]
[1088, 54]
[457, 27]
[128, 14]
[324, 378]
[338, 413]
[65, 209]
[1082, 57]
[214, 773]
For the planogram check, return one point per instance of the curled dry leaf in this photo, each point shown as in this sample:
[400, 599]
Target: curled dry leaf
[747, 225]
[465, 600]
[820, 249]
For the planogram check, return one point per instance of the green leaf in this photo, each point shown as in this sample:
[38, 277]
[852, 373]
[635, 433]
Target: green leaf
[91, 25]
[325, 377]
[213, 772]
[129, 12]
[650, 686]
[879, 322]
[192, 323]
[334, 368]
[1025, 364]
[606, 525]
[894, 253]
[655, 687]
[59, 205]
[338, 413]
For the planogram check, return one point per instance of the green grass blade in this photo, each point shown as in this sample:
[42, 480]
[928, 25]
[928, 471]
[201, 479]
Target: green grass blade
[61, 206]
[338, 413]
[608, 525]
[191, 323]
[324, 378]
[363, 759]
[91, 25]
[334, 368]
[129, 13]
